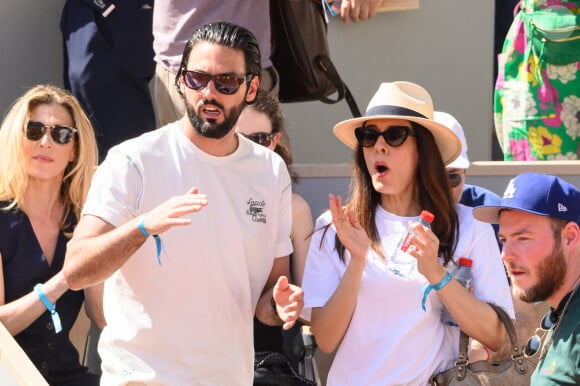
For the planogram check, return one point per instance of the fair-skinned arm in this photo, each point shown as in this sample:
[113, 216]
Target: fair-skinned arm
[462, 305]
[330, 322]
[289, 298]
[98, 249]
[302, 227]
[356, 10]
[94, 305]
[17, 315]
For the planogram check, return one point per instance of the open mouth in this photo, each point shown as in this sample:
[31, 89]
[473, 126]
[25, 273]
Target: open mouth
[381, 169]
[210, 112]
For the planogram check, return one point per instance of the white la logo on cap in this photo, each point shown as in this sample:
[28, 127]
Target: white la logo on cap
[510, 191]
[562, 208]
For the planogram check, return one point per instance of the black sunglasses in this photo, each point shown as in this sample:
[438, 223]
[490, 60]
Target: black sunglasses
[535, 342]
[264, 139]
[394, 136]
[59, 134]
[455, 179]
[226, 84]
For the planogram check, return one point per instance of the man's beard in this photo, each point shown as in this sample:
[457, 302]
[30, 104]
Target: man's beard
[551, 273]
[209, 128]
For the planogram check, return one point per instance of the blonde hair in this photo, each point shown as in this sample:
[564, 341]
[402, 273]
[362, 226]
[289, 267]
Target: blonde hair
[78, 173]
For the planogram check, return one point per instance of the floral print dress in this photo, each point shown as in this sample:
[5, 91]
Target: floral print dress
[536, 104]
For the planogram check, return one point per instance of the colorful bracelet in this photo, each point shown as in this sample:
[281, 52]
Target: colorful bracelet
[446, 279]
[158, 242]
[50, 307]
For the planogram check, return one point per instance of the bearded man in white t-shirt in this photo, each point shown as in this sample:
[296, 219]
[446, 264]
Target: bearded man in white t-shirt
[179, 304]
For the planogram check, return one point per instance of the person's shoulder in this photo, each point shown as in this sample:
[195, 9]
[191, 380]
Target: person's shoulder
[464, 212]
[299, 203]
[5, 212]
[301, 209]
[325, 218]
[465, 215]
[260, 158]
[253, 149]
[148, 144]
[161, 134]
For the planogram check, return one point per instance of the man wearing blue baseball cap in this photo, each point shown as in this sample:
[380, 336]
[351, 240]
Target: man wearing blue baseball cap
[539, 218]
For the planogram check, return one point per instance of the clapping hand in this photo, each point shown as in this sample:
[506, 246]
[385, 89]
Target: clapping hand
[350, 232]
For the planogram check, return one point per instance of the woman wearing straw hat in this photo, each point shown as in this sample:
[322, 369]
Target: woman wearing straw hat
[385, 322]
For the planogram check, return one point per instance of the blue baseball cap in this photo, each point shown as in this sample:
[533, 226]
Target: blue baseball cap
[535, 193]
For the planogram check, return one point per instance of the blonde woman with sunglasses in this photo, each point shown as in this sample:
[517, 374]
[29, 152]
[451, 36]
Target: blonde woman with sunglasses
[47, 160]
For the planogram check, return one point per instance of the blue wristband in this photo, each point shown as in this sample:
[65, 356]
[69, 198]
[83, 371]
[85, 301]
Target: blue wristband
[446, 279]
[142, 226]
[50, 307]
[329, 8]
[158, 242]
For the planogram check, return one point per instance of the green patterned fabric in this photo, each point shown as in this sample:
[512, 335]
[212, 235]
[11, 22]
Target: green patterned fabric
[537, 92]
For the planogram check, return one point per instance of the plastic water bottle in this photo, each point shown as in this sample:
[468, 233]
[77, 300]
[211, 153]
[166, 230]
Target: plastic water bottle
[463, 275]
[402, 263]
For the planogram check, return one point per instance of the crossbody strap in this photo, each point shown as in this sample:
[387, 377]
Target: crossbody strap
[511, 331]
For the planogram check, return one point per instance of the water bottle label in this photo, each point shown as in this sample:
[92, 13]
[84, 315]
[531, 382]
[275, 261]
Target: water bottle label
[406, 245]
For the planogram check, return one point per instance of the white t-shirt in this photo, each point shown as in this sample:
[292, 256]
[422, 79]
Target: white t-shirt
[390, 339]
[189, 321]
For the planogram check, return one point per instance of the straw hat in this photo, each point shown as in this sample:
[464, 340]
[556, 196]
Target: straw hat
[408, 101]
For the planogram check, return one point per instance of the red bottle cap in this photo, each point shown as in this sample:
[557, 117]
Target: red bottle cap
[427, 216]
[465, 261]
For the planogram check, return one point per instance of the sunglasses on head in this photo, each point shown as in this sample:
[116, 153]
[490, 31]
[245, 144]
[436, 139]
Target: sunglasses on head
[264, 139]
[455, 179]
[226, 84]
[394, 136]
[59, 134]
[535, 342]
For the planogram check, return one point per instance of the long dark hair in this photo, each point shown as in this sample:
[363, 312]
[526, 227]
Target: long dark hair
[432, 188]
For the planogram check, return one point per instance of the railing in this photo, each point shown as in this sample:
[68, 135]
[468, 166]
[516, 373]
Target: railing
[317, 180]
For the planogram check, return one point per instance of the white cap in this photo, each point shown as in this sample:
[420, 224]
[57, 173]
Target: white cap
[447, 120]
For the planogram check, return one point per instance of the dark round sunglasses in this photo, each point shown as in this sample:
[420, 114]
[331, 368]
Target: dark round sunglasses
[455, 179]
[264, 139]
[226, 84]
[59, 134]
[535, 342]
[394, 136]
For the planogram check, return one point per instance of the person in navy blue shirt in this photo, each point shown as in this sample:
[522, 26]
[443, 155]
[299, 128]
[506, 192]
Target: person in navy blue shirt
[108, 63]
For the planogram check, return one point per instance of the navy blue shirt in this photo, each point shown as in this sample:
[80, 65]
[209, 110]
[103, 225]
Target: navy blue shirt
[24, 265]
[473, 195]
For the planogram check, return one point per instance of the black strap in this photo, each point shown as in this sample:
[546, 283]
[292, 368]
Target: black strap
[327, 66]
[354, 110]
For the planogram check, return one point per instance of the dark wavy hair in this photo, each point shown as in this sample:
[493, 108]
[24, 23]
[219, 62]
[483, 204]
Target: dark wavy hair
[432, 190]
[225, 34]
[268, 103]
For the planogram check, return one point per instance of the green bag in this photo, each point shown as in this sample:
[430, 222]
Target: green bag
[553, 35]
